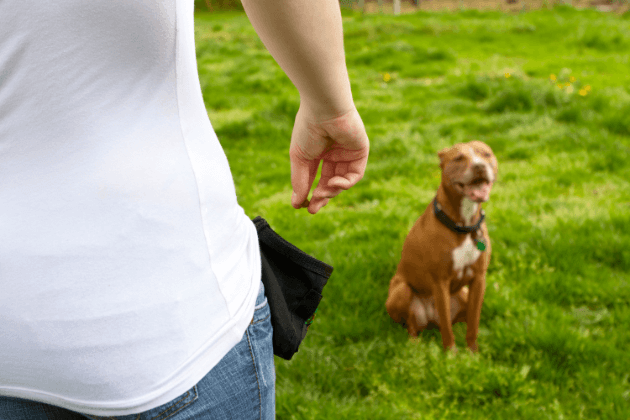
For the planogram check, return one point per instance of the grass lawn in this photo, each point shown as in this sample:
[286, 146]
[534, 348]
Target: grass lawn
[549, 91]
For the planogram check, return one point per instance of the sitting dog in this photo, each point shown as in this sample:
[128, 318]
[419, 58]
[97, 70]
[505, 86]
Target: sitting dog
[441, 277]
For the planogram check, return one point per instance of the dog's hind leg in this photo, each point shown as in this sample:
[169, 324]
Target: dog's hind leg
[400, 306]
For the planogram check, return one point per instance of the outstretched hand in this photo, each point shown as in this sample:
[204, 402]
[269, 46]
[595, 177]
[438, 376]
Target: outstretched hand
[340, 142]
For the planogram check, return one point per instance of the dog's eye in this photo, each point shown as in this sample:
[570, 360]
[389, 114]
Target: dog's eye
[459, 158]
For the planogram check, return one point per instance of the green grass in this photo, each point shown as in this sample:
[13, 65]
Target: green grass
[554, 334]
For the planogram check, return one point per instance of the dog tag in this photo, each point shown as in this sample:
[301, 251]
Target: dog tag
[481, 245]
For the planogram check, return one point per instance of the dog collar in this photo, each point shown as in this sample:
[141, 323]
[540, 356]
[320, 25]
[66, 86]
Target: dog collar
[449, 223]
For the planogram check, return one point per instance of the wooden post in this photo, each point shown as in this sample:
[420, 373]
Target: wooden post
[396, 7]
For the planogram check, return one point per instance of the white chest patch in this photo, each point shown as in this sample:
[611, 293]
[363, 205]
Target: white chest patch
[464, 255]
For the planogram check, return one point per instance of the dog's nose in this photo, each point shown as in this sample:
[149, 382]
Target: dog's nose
[479, 170]
[479, 167]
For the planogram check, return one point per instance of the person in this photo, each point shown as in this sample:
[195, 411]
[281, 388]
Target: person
[129, 275]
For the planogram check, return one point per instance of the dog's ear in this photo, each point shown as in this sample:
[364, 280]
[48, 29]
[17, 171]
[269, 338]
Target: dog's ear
[442, 154]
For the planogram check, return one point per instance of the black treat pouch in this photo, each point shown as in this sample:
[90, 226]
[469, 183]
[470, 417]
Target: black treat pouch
[293, 285]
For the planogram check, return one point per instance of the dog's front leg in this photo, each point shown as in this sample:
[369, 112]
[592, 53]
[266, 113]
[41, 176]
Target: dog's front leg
[443, 305]
[473, 313]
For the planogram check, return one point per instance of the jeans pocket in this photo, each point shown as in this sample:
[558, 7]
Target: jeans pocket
[261, 310]
[260, 337]
[172, 408]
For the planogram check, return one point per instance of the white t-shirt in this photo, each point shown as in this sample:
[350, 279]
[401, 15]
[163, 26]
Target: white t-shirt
[127, 267]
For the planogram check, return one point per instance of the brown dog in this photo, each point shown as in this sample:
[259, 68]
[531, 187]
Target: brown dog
[447, 249]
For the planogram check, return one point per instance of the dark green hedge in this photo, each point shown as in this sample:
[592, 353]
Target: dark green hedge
[212, 5]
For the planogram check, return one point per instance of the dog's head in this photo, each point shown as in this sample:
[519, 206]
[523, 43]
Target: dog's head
[469, 169]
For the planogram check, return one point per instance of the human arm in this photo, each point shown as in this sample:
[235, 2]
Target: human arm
[306, 39]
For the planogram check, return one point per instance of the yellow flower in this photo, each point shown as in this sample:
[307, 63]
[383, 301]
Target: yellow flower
[570, 89]
[553, 77]
[583, 92]
[507, 75]
[559, 85]
[588, 88]
[572, 79]
[387, 77]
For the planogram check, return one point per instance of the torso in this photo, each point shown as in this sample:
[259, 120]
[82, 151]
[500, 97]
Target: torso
[459, 260]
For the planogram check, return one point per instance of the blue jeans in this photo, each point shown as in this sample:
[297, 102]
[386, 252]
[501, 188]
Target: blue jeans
[241, 387]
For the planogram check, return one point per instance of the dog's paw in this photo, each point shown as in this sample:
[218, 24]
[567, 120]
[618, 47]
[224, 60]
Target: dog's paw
[452, 350]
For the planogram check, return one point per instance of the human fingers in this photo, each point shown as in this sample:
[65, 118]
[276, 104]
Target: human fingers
[302, 176]
[316, 204]
[323, 188]
[347, 174]
[339, 176]
[324, 192]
